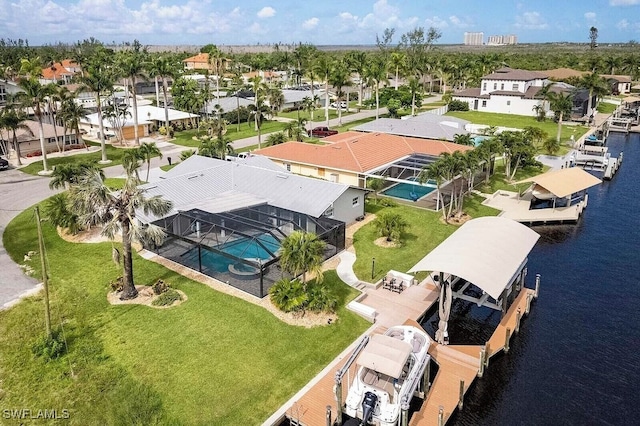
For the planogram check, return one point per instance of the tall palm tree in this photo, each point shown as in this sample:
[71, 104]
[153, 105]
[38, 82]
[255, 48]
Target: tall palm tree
[147, 152]
[560, 104]
[398, 62]
[99, 78]
[237, 84]
[276, 99]
[132, 65]
[597, 86]
[72, 114]
[34, 96]
[322, 67]
[339, 78]
[376, 71]
[162, 68]
[415, 88]
[357, 61]
[435, 172]
[489, 148]
[97, 204]
[11, 120]
[216, 58]
[303, 252]
[259, 107]
[463, 139]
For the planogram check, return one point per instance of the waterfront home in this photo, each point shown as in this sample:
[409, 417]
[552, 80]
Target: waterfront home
[424, 126]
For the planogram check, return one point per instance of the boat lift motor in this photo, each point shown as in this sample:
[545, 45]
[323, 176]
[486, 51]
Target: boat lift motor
[368, 405]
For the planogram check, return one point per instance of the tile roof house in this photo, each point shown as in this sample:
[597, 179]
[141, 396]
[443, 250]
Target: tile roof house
[60, 72]
[30, 141]
[349, 157]
[201, 62]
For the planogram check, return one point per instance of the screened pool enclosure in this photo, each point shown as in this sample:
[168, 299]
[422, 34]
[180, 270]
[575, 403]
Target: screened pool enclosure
[242, 247]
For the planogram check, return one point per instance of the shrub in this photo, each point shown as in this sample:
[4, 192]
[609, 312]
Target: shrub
[159, 287]
[117, 284]
[167, 298]
[49, 348]
[186, 154]
[162, 130]
[288, 295]
[387, 202]
[457, 105]
[321, 299]
[390, 225]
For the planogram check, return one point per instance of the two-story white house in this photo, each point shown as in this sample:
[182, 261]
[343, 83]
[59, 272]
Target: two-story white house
[506, 91]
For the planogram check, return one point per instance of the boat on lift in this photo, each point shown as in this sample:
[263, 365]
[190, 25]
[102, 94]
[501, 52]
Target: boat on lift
[390, 367]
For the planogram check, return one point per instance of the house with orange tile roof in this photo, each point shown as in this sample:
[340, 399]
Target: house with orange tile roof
[201, 62]
[60, 72]
[353, 157]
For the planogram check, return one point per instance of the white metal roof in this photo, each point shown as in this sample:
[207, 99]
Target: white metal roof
[487, 252]
[201, 178]
[428, 126]
[564, 182]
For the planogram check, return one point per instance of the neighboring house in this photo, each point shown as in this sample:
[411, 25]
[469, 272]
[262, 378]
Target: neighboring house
[352, 157]
[7, 87]
[561, 74]
[60, 72]
[506, 91]
[30, 144]
[425, 126]
[227, 104]
[150, 119]
[201, 62]
[620, 84]
[267, 76]
[209, 183]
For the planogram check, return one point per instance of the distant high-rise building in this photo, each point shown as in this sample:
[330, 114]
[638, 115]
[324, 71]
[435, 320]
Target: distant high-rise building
[473, 39]
[500, 40]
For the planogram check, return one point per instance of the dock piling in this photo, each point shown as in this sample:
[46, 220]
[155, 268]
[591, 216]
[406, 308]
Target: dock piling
[506, 340]
[461, 397]
[528, 307]
[487, 350]
[328, 415]
[483, 354]
[518, 318]
[537, 285]
[425, 380]
[440, 415]
[338, 387]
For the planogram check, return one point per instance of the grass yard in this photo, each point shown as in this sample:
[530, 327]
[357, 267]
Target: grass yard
[113, 154]
[348, 126]
[606, 107]
[520, 122]
[185, 138]
[215, 359]
[426, 230]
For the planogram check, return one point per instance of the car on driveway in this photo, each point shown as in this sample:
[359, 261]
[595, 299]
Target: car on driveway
[4, 164]
[322, 132]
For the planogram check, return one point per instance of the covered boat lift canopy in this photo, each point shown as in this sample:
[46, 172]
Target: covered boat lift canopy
[488, 252]
[564, 182]
[385, 354]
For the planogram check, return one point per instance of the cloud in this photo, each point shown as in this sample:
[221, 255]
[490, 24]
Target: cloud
[623, 2]
[256, 28]
[383, 15]
[266, 12]
[622, 25]
[590, 16]
[531, 21]
[310, 23]
[460, 23]
[436, 22]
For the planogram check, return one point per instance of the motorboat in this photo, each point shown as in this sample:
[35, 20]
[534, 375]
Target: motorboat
[389, 369]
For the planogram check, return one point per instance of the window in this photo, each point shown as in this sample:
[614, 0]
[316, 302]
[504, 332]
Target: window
[501, 86]
[329, 212]
[484, 103]
[515, 86]
[508, 103]
[495, 86]
[484, 86]
[355, 202]
[288, 167]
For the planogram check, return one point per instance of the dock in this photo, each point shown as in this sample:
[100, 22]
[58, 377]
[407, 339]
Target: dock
[458, 365]
[515, 206]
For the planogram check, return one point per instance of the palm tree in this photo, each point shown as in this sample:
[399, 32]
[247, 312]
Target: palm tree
[489, 148]
[376, 71]
[398, 61]
[56, 211]
[72, 113]
[309, 105]
[215, 58]
[12, 119]
[357, 61]
[435, 172]
[276, 99]
[34, 96]
[463, 139]
[415, 88]
[147, 152]
[97, 204]
[237, 84]
[132, 65]
[65, 175]
[161, 67]
[560, 104]
[338, 78]
[322, 67]
[391, 225]
[375, 184]
[98, 77]
[259, 107]
[276, 138]
[303, 252]
[597, 86]
[293, 129]
[551, 146]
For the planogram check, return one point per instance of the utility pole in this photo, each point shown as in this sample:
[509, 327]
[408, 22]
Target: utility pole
[45, 282]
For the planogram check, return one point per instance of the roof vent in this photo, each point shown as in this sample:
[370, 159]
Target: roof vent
[282, 176]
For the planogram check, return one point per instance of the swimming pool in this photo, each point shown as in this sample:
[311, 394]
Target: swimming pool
[243, 248]
[406, 190]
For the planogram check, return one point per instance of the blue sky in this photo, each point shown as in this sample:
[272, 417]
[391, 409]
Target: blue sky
[318, 22]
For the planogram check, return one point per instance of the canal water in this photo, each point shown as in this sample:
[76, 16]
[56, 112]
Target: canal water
[576, 360]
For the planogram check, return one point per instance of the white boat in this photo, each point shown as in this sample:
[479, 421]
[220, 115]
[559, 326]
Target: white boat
[390, 367]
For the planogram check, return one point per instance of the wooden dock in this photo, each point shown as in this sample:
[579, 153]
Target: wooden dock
[458, 365]
[516, 207]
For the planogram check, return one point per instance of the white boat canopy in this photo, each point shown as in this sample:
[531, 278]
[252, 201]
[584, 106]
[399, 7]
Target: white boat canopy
[385, 354]
[487, 252]
[564, 182]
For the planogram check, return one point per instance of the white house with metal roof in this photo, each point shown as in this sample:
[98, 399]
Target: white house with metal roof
[209, 183]
[426, 126]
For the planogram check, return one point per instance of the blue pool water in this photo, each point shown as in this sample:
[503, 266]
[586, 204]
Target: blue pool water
[478, 139]
[405, 190]
[242, 248]
[576, 359]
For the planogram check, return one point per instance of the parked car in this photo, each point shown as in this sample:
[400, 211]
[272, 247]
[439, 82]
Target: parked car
[4, 164]
[343, 105]
[322, 132]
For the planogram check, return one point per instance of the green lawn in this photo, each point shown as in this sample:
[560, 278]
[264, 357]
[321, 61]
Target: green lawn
[426, 230]
[520, 122]
[215, 359]
[348, 126]
[606, 107]
[113, 154]
[185, 138]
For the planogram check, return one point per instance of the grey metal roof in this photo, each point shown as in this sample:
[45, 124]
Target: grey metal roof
[426, 126]
[487, 252]
[227, 104]
[200, 178]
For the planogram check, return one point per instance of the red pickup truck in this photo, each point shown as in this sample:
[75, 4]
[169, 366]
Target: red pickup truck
[322, 132]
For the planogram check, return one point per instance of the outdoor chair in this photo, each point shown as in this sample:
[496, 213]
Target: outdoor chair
[388, 284]
[397, 288]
